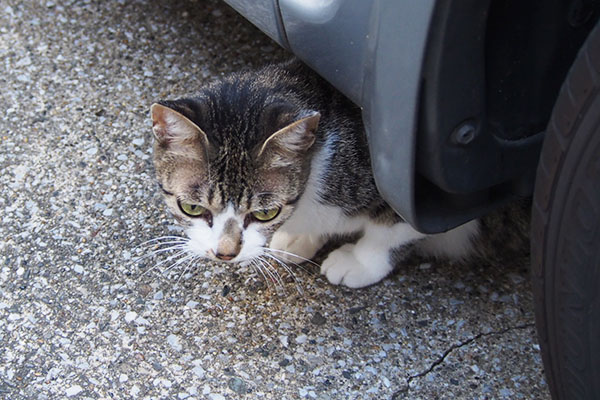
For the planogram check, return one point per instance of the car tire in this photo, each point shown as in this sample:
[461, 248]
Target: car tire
[565, 237]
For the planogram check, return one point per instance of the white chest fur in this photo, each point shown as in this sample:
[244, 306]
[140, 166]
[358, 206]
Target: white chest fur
[311, 216]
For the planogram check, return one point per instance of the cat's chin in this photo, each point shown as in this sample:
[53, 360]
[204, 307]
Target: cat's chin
[240, 259]
[209, 255]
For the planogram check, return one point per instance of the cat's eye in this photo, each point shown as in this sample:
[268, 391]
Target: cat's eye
[192, 210]
[266, 215]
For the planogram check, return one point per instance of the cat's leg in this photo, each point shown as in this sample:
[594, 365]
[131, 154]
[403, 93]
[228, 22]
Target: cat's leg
[370, 259]
[295, 248]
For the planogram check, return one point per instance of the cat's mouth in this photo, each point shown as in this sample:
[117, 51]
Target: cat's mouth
[217, 256]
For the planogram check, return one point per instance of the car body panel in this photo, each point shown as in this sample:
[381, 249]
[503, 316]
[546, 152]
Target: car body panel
[265, 15]
[455, 94]
[386, 41]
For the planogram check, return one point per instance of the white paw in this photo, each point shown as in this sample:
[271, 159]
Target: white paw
[295, 248]
[342, 267]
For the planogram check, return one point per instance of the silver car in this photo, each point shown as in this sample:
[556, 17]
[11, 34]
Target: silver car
[469, 104]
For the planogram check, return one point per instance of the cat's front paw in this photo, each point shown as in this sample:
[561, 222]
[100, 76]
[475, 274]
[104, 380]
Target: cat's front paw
[342, 267]
[294, 248]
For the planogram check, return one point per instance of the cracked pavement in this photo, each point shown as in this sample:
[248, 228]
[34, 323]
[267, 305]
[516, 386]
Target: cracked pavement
[403, 392]
[83, 317]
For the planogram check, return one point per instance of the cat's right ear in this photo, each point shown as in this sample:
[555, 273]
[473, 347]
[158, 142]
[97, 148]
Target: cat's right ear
[291, 141]
[172, 129]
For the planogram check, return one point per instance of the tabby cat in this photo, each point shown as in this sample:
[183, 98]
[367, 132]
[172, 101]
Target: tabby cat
[273, 163]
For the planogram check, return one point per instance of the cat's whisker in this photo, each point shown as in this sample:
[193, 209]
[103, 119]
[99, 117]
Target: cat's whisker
[186, 256]
[179, 262]
[169, 242]
[287, 253]
[285, 264]
[268, 269]
[158, 251]
[187, 267]
[265, 272]
[289, 271]
[170, 248]
[160, 247]
[161, 238]
[281, 263]
[272, 272]
[275, 272]
[258, 269]
[249, 278]
[166, 249]
[179, 254]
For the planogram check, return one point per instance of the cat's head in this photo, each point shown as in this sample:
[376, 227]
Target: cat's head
[232, 170]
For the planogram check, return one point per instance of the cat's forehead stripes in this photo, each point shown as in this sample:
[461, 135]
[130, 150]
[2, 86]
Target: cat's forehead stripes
[217, 197]
[211, 195]
[233, 175]
[195, 187]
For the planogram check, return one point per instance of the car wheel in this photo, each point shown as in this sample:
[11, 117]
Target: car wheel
[565, 236]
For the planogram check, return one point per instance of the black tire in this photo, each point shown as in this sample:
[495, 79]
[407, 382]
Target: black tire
[565, 235]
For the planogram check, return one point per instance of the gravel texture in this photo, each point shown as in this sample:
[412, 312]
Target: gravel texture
[82, 317]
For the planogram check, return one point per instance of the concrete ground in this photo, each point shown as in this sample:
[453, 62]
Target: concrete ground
[80, 319]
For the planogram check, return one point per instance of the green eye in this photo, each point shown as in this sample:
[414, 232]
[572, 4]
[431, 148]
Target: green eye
[266, 215]
[192, 210]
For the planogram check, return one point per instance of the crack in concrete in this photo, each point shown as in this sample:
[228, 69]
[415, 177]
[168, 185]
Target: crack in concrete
[404, 390]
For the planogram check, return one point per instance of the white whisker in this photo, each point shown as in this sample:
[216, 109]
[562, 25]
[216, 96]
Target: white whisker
[159, 251]
[170, 248]
[259, 270]
[273, 274]
[178, 263]
[266, 272]
[280, 263]
[169, 242]
[187, 267]
[179, 254]
[284, 263]
[272, 271]
[287, 253]
[158, 239]
[289, 271]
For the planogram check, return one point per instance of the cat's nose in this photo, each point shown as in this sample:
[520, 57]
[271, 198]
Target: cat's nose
[225, 257]
[230, 242]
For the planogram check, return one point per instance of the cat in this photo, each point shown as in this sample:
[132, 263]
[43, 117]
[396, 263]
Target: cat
[272, 163]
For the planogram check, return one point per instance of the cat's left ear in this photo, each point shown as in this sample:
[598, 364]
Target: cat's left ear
[293, 139]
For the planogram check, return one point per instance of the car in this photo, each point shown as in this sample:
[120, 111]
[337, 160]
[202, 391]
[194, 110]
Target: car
[467, 105]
